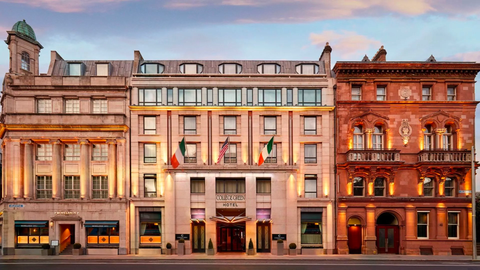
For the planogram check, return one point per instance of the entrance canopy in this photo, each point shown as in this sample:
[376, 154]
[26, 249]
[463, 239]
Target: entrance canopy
[230, 216]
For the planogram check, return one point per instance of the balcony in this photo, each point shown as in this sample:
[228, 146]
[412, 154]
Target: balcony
[373, 156]
[445, 156]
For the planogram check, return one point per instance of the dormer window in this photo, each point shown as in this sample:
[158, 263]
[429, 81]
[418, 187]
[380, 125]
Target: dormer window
[151, 68]
[103, 69]
[269, 68]
[191, 68]
[307, 69]
[230, 68]
[75, 69]
[25, 61]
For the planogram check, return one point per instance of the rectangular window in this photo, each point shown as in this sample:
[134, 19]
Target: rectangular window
[289, 97]
[310, 127]
[149, 97]
[190, 153]
[102, 234]
[44, 186]
[310, 153]
[269, 97]
[451, 93]
[72, 187]
[449, 186]
[189, 125]
[150, 153]
[310, 186]
[100, 152]
[189, 97]
[209, 97]
[358, 187]
[100, 187]
[72, 106]
[311, 228]
[100, 106]
[103, 69]
[270, 125]
[231, 154]
[230, 185]
[75, 69]
[150, 181]
[249, 97]
[44, 152]
[31, 233]
[229, 97]
[381, 93]
[427, 93]
[379, 186]
[229, 125]
[422, 225]
[453, 225]
[150, 229]
[149, 125]
[169, 96]
[44, 106]
[197, 185]
[264, 185]
[428, 187]
[72, 152]
[309, 97]
[356, 92]
[272, 158]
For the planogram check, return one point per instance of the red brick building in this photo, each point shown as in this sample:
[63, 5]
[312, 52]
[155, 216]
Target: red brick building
[404, 132]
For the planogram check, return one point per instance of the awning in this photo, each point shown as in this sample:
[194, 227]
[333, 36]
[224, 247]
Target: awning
[230, 219]
[100, 224]
[30, 224]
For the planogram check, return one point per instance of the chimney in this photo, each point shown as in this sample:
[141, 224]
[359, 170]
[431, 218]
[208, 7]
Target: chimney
[54, 56]
[137, 61]
[326, 58]
[380, 56]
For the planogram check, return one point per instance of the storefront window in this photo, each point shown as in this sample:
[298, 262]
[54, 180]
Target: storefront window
[31, 233]
[150, 229]
[102, 233]
[312, 228]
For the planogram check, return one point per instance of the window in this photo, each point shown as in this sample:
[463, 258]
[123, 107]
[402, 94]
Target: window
[230, 68]
[428, 138]
[307, 69]
[149, 125]
[381, 93]
[453, 224]
[44, 152]
[310, 153]
[377, 138]
[149, 97]
[451, 93]
[268, 68]
[150, 181]
[150, 229]
[189, 97]
[209, 97]
[44, 106]
[428, 187]
[447, 138]
[358, 186]
[102, 233]
[169, 96]
[269, 97]
[311, 226]
[190, 153]
[289, 97]
[310, 186]
[25, 61]
[427, 93]
[103, 69]
[422, 225]
[100, 106]
[449, 187]
[229, 125]
[249, 97]
[310, 125]
[72, 187]
[270, 125]
[309, 97]
[229, 97]
[100, 152]
[197, 185]
[75, 69]
[356, 92]
[31, 233]
[72, 106]
[230, 185]
[72, 152]
[100, 187]
[44, 186]
[231, 154]
[151, 68]
[189, 125]
[358, 138]
[379, 187]
[264, 185]
[272, 158]
[191, 68]
[150, 153]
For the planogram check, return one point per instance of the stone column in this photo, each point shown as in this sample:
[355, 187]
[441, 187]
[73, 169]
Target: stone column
[442, 222]
[342, 237]
[370, 237]
[84, 169]
[57, 170]
[28, 169]
[439, 132]
[121, 168]
[410, 222]
[16, 165]
[112, 168]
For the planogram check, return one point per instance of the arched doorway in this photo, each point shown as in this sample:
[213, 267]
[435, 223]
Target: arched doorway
[388, 238]
[354, 236]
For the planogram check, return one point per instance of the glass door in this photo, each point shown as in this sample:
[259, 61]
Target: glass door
[263, 237]
[198, 237]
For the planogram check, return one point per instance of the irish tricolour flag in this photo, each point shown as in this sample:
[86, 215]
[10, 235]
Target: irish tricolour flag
[177, 158]
[265, 152]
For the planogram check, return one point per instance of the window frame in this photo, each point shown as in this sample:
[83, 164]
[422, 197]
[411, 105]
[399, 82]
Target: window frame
[269, 131]
[316, 223]
[183, 92]
[46, 192]
[272, 157]
[189, 158]
[44, 104]
[356, 96]
[102, 189]
[261, 68]
[310, 178]
[200, 182]
[72, 106]
[229, 131]
[432, 187]
[149, 131]
[299, 68]
[426, 96]
[99, 106]
[100, 152]
[309, 131]
[358, 138]
[143, 68]
[453, 188]
[249, 97]
[428, 137]
[457, 224]
[142, 94]
[377, 187]
[71, 152]
[451, 96]
[447, 138]
[378, 138]
[45, 154]
[72, 192]
[149, 159]
[222, 94]
[427, 225]
[189, 131]
[289, 97]
[317, 101]
[221, 182]
[359, 187]
[103, 65]
[238, 68]
[310, 159]
[261, 98]
[199, 68]
[152, 177]
[80, 69]
[25, 61]
[380, 96]
[263, 185]
[230, 157]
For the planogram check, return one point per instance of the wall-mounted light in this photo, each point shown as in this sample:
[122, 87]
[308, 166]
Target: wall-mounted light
[51, 224]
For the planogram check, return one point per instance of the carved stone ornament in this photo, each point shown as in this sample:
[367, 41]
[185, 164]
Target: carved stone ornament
[405, 131]
[405, 92]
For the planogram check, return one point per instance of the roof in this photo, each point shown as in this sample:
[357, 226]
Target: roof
[119, 68]
[25, 31]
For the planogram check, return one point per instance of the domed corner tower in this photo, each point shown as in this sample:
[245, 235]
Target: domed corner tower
[24, 49]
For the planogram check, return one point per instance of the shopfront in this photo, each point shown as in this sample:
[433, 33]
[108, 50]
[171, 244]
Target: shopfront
[31, 234]
[102, 234]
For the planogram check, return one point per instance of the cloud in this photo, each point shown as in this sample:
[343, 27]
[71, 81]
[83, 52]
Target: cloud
[466, 56]
[349, 45]
[66, 6]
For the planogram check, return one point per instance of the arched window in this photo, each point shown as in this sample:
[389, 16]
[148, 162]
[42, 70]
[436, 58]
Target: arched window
[358, 138]
[151, 68]
[449, 187]
[428, 141]
[379, 187]
[377, 138]
[25, 61]
[447, 138]
[428, 187]
[358, 186]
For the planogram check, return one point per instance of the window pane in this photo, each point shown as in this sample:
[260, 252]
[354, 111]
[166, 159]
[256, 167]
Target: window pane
[74, 69]
[190, 125]
[230, 124]
[149, 124]
[270, 123]
[310, 153]
[310, 125]
[102, 69]
[150, 154]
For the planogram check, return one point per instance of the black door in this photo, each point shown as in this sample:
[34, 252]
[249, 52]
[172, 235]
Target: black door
[263, 237]
[231, 237]
[198, 237]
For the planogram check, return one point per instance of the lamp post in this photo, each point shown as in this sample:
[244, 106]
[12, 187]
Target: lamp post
[474, 223]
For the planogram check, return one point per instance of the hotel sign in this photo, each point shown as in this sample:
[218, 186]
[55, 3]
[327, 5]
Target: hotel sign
[230, 200]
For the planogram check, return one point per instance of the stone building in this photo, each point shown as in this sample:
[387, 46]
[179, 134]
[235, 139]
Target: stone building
[404, 135]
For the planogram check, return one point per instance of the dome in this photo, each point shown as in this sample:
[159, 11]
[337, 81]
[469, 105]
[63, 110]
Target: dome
[22, 28]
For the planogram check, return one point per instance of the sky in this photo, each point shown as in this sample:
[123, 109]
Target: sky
[249, 29]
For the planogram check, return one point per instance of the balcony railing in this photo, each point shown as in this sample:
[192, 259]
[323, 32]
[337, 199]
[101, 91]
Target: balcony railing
[445, 156]
[373, 155]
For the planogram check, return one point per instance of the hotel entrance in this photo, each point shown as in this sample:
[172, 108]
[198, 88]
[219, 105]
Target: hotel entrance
[231, 237]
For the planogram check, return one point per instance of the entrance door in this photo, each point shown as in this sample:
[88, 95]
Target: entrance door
[67, 236]
[387, 239]
[198, 237]
[355, 239]
[263, 237]
[231, 237]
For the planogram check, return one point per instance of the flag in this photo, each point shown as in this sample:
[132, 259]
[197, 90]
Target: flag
[265, 152]
[177, 158]
[223, 149]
